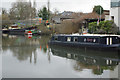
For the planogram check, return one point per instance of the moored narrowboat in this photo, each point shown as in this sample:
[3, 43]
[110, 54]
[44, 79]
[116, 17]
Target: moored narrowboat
[88, 41]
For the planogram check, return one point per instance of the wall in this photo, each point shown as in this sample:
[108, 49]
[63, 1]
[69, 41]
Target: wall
[115, 11]
[119, 18]
[107, 17]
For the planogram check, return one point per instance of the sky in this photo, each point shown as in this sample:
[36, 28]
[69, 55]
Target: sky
[65, 5]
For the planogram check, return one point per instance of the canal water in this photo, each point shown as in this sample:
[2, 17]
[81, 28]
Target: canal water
[32, 57]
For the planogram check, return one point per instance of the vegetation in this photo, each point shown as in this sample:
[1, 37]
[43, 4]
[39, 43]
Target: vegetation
[22, 10]
[44, 29]
[98, 9]
[66, 27]
[44, 13]
[103, 27]
[4, 16]
[93, 27]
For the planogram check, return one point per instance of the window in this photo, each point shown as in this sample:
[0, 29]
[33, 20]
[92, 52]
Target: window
[115, 3]
[75, 39]
[112, 17]
[84, 39]
[94, 40]
[56, 38]
[68, 38]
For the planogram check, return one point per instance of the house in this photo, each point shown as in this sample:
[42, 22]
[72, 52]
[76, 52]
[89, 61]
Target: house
[115, 12]
[86, 18]
[66, 15]
[107, 14]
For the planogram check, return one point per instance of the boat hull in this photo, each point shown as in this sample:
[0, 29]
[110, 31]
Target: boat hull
[14, 31]
[94, 46]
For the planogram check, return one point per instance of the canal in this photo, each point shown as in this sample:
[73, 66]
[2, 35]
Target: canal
[32, 57]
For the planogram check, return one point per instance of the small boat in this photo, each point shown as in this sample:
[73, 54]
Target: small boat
[14, 31]
[88, 41]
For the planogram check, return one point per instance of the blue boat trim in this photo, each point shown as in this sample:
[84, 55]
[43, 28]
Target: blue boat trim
[87, 41]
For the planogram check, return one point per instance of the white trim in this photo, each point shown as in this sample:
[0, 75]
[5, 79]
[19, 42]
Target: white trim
[107, 41]
[110, 41]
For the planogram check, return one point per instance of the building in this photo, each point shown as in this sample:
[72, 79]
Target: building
[107, 14]
[115, 12]
[66, 15]
[87, 18]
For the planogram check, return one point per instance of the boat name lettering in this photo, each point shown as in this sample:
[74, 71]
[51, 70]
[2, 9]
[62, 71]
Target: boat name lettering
[90, 40]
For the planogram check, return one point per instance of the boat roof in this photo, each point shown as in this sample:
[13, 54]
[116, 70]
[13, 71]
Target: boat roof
[95, 35]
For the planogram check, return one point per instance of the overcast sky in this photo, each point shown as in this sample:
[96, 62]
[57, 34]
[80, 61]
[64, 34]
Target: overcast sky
[66, 5]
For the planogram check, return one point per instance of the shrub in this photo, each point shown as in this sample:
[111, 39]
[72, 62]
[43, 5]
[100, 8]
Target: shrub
[67, 27]
[103, 27]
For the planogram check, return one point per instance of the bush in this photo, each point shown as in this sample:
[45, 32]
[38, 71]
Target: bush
[103, 27]
[67, 27]
[92, 27]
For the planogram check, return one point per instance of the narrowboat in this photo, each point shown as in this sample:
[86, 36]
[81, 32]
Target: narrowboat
[16, 31]
[87, 41]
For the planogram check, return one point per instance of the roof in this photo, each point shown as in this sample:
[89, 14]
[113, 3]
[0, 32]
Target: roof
[106, 12]
[67, 13]
[92, 15]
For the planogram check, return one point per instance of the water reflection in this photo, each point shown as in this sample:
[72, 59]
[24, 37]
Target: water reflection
[24, 47]
[51, 61]
[98, 61]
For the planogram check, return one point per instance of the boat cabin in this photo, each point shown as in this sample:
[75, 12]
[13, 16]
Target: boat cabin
[108, 40]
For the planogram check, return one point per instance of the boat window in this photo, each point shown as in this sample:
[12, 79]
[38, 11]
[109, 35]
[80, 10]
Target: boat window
[68, 38]
[94, 40]
[56, 38]
[84, 39]
[75, 39]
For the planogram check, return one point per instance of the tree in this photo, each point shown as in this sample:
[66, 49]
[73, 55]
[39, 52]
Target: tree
[5, 18]
[4, 11]
[44, 13]
[93, 27]
[106, 26]
[98, 9]
[103, 27]
[22, 10]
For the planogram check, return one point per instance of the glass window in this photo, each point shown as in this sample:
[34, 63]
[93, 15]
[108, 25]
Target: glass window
[68, 38]
[84, 39]
[112, 17]
[56, 38]
[94, 40]
[75, 39]
[115, 0]
[115, 3]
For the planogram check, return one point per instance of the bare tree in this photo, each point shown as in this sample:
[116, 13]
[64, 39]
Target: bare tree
[4, 17]
[22, 10]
